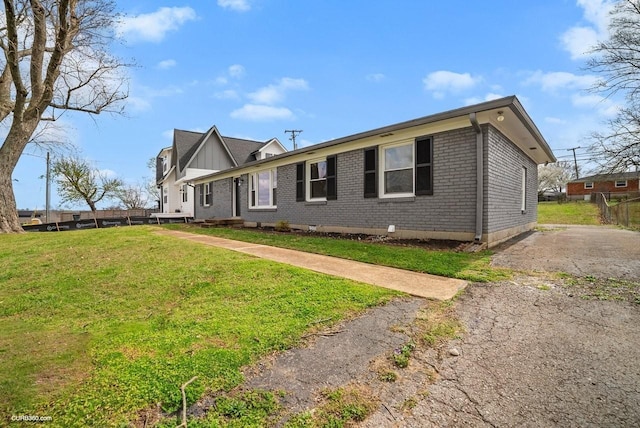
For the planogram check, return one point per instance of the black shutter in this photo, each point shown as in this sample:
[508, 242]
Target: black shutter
[424, 166]
[332, 185]
[201, 189]
[371, 172]
[300, 182]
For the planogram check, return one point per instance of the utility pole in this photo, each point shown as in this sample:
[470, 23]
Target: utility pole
[575, 161]
[48, 191]
[293, 136]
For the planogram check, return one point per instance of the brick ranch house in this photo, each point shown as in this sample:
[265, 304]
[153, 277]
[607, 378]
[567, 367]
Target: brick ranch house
[466, 174]
[612, 185]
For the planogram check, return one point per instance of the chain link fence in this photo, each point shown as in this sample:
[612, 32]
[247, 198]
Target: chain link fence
[624, 211]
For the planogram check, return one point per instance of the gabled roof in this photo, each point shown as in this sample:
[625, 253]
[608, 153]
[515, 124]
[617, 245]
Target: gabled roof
[597, 178]
[185, 143]
[242, 150]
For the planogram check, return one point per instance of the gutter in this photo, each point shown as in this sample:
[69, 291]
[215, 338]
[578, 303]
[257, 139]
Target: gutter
[479, 176]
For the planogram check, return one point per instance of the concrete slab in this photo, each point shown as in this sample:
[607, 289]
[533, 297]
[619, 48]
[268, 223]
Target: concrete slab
[414, 283]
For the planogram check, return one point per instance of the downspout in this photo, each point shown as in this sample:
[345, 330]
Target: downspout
[479, 176]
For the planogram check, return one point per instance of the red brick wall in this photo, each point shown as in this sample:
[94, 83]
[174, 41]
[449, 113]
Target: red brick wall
[603, 186]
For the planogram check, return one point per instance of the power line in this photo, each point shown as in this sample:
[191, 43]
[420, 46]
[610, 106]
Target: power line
[293, 136]
[575, 161]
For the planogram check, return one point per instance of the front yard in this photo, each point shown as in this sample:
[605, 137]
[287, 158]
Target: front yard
[99, 325]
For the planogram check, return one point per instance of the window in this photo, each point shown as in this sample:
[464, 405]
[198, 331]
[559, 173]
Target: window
[621, 183]
[523, 204]
[407, 169]
[588, 184]
[184, 189]
[165, 164]
[397, 167]
[208, 194]
[262, 189]
[317, 184]
[165, 195]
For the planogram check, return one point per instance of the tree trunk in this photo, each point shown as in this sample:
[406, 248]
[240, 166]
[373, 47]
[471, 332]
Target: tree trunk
[10, 153]
[9, 222]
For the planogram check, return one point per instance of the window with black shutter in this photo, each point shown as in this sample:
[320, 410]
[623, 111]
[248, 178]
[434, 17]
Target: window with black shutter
[201, 190]
[300, 182]
[424, 166]
[332, 185]
[370, 172]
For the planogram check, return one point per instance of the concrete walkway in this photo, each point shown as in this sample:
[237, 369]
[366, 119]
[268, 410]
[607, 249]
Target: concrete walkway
[414, 283]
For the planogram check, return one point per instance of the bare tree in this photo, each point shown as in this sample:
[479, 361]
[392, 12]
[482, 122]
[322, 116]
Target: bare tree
[133, 196]
[617, 60]
[78, 181]
[54, 59]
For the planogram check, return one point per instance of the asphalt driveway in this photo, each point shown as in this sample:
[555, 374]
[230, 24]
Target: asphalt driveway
[599, 251]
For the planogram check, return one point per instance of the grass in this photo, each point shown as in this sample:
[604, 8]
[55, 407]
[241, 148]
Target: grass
[338, 408]
[468, 266]
[98, 325]
[575, 212]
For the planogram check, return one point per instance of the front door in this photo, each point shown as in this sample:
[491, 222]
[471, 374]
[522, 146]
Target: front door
[236, 196]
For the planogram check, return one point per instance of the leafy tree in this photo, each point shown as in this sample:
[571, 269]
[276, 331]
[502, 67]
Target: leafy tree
[78, 181]
[54, 59]
[618, 61]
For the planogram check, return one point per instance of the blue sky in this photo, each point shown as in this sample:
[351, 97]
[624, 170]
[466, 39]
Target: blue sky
[333, 68]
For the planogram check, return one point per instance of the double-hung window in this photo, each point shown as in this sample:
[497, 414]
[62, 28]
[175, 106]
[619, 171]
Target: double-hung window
[588, 185]
[403, 169]
[317, 184]
[263, 189]
[397, 167]
[621, 183]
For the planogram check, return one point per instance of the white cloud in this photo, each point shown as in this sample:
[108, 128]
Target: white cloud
[228, 94]
[603, 106]
[561, 80]
[488, 97]
[261, 113]
[138, 104]
[167, 63]
[580, 39]
[275, 93]
[236, 71]
[237, 5]
[442, 81]
[152, 27]
[375, 77]
[555, 120]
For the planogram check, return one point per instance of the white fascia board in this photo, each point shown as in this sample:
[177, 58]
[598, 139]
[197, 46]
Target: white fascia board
[192, 174]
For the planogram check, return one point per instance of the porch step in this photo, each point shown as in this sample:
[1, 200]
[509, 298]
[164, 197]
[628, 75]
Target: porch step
[213, 222]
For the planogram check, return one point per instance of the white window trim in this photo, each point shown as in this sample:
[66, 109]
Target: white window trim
[206, 191]
[619, 181]
[307, 179]
[381, 168]
[251, 182]
[184, 189]
[523, 204]
[586, 183]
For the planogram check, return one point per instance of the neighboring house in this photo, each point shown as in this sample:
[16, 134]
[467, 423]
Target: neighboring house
[612, 185]
[196, 154]
[465, 174]
[27, 216]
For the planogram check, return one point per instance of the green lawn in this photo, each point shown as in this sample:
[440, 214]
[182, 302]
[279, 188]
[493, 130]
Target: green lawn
[97, 325]
[469, 266]
[573, 212]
